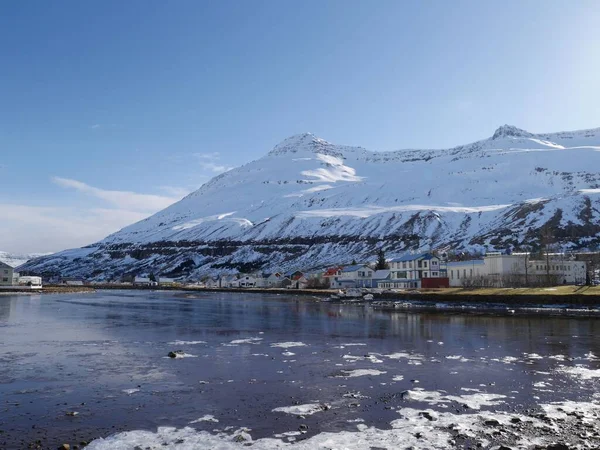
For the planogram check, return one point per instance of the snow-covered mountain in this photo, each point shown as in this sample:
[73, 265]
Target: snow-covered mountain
[15, 260]
[310, 203]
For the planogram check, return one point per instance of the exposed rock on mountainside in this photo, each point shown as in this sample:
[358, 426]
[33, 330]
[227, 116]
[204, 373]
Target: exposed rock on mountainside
[310, 203]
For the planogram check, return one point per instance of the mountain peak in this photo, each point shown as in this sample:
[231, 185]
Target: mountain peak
[299, 143]
[510, 131]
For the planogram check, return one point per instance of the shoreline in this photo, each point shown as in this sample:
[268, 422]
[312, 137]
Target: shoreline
[514, 297]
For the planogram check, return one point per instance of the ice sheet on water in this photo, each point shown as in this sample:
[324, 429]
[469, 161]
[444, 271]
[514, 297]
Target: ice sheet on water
[251, 340]
[581, 372]
[187, 342]
[205, 418]
[288, 344]
[473, 401]
[130, 391]
[302, 410]
[361, 373]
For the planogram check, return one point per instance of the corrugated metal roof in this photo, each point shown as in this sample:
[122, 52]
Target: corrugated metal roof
[413, 257]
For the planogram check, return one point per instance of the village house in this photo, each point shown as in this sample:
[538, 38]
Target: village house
[350, 276]
[6, 274]
[143, 281]
[271, 280]
[165, 281]
[246, 281]
[212, 282]
[423, 270]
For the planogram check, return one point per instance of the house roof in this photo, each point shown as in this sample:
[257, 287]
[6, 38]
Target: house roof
[332, 271]
[5, 266]
[412, 257]
[381, 275]
[354, 268]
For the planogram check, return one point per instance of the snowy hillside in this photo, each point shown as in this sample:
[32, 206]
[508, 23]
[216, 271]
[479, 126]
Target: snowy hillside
[310, 203]
[17, 260]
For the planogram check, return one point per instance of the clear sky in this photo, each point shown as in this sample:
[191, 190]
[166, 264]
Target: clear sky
[111, 110]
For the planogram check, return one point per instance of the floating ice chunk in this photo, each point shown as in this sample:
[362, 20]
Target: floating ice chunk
[130, 391]
[581, 372]
[288, 354]
[187, 342]
[252, 340]
[288, 344]
[398, 378]
[205, 418]
[361, 373]
[302, 410]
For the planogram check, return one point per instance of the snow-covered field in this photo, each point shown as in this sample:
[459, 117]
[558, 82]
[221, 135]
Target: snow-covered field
[310, 203]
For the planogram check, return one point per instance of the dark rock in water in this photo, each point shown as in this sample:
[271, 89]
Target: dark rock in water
[491, 423]
[515, 420]
[64, 447]
[427, 415]
[558, 446]
[176, 353]
[303, 427]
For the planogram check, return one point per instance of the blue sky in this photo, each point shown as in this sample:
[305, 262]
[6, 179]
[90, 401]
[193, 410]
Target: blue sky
[111, 110]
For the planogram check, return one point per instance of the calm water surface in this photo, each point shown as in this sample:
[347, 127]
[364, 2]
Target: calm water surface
[104, 356]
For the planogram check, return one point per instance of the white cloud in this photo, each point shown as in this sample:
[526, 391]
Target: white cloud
[28, 229]
[121, 199]
[209, 161]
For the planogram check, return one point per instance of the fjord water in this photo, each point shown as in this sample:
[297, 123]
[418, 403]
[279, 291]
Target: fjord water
[345, 369]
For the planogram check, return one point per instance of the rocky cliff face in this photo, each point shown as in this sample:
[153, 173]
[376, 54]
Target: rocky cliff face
[309, 203]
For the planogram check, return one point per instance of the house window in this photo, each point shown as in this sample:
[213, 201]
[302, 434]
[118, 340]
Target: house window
[458, 274]
[5, 280]
[470, 272]
[464, 273]
[425, 264]
[5, 272]
[434, 274]
[400, 274]
[370, 274]
[452, 274]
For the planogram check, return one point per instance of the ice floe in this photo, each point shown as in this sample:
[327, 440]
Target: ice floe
[361, 373]
[288, 344]
[581, 372]
[130, 391]
[252, 340]
[303, 410]
[205, 418]
[187, 342]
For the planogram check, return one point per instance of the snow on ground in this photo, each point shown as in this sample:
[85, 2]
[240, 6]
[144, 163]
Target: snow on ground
[414, 428]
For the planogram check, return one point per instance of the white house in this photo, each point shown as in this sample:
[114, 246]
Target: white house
[270, 280]
[143, 281]
[165, 281]
[351, 276]
[6, 274]
[228, 281]
[410, 270]
[212, 283]
[31, 281]
[246, 281]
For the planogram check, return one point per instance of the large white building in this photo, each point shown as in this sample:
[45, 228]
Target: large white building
[500, 270]
[6, 274]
